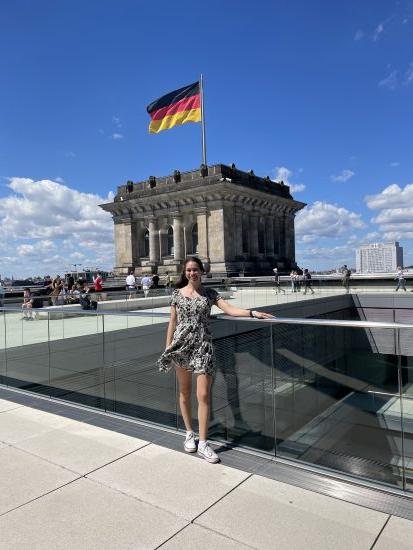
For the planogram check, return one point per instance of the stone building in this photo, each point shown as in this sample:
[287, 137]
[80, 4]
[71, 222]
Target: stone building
[234, 221]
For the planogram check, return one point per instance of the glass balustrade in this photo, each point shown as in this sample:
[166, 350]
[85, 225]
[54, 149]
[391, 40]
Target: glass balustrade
[323, 393]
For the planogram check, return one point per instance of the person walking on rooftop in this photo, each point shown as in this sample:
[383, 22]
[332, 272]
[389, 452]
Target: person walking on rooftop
[98, 282]
[401, 281]
[189, 348]
[293, 278]
[307, 282]
[346, 272]
[277, 282]
[130, 284]
[146, 284]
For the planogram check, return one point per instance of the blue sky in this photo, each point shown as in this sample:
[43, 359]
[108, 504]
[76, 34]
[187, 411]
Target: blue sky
[318, 92]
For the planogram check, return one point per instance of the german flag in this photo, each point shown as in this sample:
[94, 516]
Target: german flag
[175, 108]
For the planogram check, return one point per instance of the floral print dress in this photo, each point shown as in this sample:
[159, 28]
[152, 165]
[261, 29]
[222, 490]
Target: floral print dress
[191, 346]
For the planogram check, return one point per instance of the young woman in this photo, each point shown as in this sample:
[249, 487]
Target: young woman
[189, 348]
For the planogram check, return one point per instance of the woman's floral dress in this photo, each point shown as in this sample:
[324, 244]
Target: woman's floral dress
[191, 346]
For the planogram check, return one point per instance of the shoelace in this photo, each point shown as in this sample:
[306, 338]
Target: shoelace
[208, 450]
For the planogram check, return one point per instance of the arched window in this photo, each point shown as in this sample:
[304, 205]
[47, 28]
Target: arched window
[194, 238]
[146, 243]
[261, 238]
[170, 242]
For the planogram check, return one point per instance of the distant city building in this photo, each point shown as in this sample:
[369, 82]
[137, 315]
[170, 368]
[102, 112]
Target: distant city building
[379, 257]
[234, 221]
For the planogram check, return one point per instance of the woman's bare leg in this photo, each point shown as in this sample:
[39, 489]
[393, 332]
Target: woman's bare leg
[185, 387]
[203, 386]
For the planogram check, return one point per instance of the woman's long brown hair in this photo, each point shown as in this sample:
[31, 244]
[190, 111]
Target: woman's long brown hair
[183, 280]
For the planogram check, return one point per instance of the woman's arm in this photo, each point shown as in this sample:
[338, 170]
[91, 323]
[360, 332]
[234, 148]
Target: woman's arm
[171, 327]
[239, 312]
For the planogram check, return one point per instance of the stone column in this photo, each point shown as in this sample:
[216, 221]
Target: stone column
[289, 237]
[283, 236]
[269, 236]
[125, 243]
[203, 244]
[277, 235]
[238, 232]
[153, 240]
[253, 237]
[178, 238]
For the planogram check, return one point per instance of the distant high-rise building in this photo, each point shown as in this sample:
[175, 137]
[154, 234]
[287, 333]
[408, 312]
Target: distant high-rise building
[379, 257]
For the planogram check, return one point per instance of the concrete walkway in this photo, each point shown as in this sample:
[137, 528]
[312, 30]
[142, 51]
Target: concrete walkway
[69, 484]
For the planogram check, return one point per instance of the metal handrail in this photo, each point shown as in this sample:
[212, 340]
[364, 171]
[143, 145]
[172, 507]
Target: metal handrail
[321, 322]
[223, 317]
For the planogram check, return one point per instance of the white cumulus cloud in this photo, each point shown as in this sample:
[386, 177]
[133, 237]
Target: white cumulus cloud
[395, 216]
[46, 222]
[392, 196]
[323, 219]
[344, 175]
[282, 173]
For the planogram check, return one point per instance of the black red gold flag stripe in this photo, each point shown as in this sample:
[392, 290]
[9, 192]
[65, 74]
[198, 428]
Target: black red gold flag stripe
[177, 107]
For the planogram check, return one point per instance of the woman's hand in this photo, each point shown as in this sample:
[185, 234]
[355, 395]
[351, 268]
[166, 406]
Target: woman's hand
[262, 315]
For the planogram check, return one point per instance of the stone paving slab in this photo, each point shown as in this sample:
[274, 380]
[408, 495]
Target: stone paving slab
[8, 405]
[267, 514]
[81, 447]
[397, 535]
[24, 422]
[24, 477]
[86, 515]
[180, 483]
[196, 537]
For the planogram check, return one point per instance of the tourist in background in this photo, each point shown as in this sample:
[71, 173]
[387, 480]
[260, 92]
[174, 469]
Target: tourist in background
[146, 283]
[130, 284]
[277, 282]
[346, 274]
[57, 285]
[61, 299]
[155, 281]
[307, 282]
[189, 348]
[2, 293]
[293, 279]
[98, 282]
[27, 305]
[401, 281]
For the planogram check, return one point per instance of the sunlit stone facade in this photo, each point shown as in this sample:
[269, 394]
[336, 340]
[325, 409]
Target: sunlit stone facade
[234, 221]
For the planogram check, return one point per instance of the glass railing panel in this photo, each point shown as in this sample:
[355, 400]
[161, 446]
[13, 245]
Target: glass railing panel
[3, 364]
[405, 443]
[76, 358]
[242, 411]
[334, 385]
[134, 385]
[27, 350]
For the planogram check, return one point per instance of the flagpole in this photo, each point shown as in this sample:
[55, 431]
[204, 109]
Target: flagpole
[204, 159]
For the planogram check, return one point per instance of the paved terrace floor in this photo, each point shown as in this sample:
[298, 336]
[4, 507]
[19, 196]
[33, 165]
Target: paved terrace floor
[74, 479]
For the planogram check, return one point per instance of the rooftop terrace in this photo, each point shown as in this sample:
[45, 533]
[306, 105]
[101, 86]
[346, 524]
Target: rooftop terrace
[77, 479]
[312, 417]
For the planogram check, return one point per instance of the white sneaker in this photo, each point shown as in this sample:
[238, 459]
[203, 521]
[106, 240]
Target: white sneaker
[206, 452]
[189, 444]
